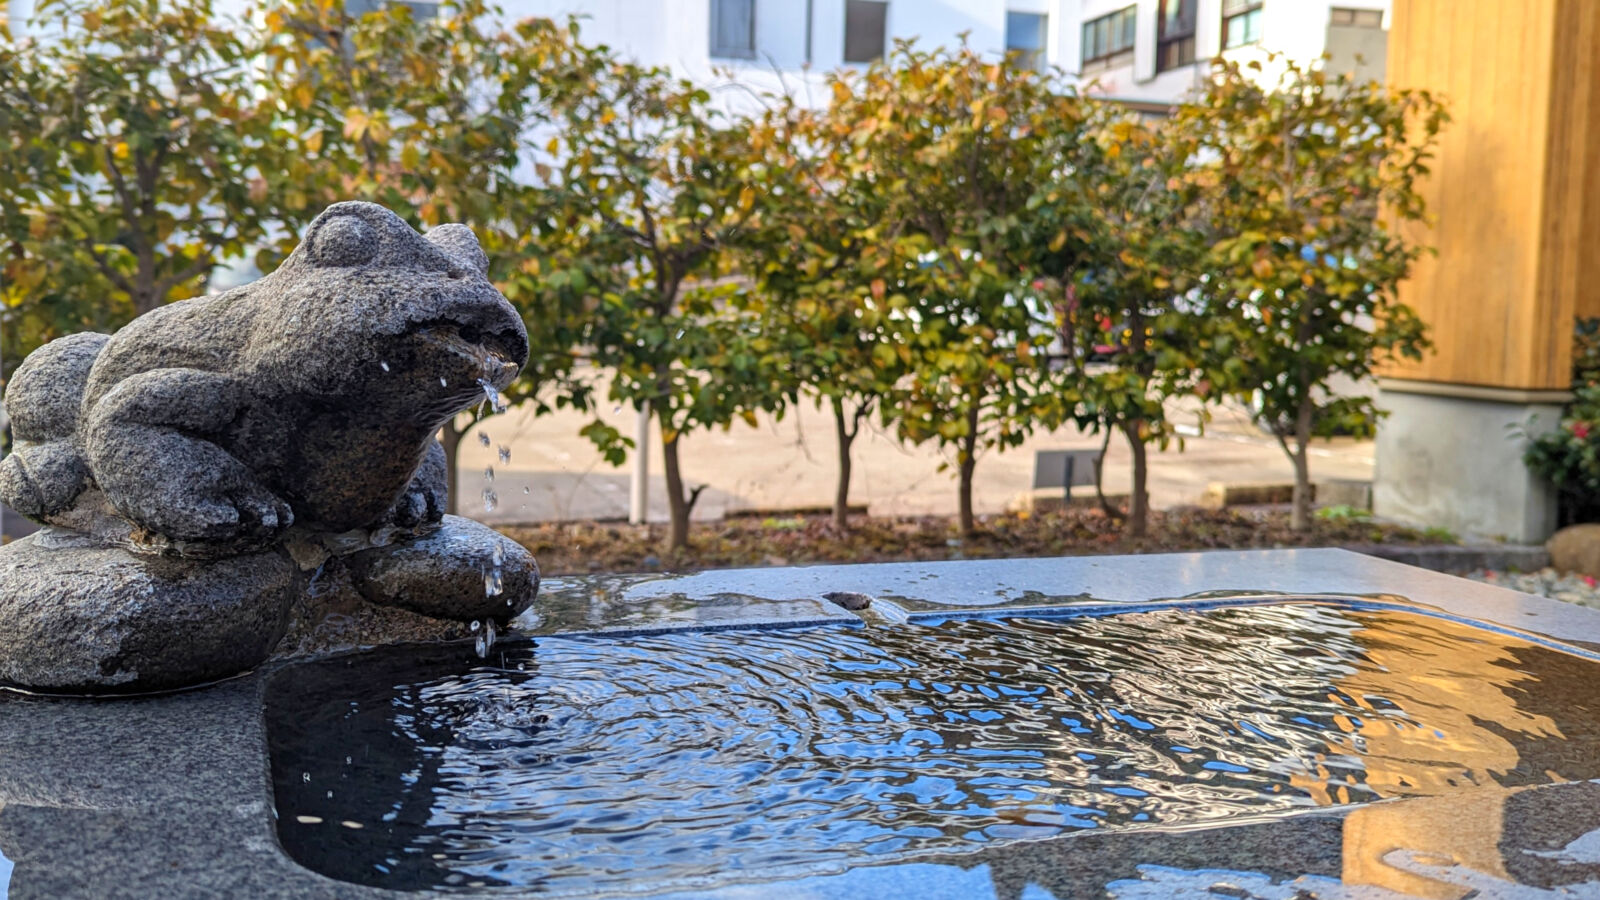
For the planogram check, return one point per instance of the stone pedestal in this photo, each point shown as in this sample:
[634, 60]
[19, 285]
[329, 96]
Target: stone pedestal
[1451, 456]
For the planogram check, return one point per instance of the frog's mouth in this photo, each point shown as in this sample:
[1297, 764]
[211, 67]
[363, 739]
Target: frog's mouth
[492, 354]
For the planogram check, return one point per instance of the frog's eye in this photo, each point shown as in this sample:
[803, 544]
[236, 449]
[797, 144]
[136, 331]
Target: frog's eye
[344, 241]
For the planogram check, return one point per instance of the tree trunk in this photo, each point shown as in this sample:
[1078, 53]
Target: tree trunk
[1099, 480]
[677, 502]
[968, 462]
[1138, 500]
[1300, 518]
[450, 439]
[841, 492]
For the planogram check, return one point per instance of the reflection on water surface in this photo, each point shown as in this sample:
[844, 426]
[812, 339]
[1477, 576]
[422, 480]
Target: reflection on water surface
[584, 763]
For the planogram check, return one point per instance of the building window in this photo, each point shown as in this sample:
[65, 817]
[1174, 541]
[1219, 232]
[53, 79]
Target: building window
[1109, 38]
[1359, 18]
[865, 29]
[1025, 35]
[1175, 34]
[1241, 23]
[419, 11]
[733, 29]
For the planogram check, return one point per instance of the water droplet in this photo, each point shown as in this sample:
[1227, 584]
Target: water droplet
[442, 382]
[525, 489]
[617, 408]
[306, 777]
[485, 641]
[491, 396]
[476, 624]
[505, 454]
[498, 555]
[384, 366]
[493, 585]
[490, 500]
[488, 473]
[483, 439]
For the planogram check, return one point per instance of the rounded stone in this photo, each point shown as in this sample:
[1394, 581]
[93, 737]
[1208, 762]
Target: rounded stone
[444, 573]
[1576, 548]
[87, 619]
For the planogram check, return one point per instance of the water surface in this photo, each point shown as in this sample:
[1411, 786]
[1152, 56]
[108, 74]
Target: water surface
[586, 763]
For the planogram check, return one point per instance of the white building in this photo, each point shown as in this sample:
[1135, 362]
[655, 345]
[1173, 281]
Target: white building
[1142, 50]
[1145, 50]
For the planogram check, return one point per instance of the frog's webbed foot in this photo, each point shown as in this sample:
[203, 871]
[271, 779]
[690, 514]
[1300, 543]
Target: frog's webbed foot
[147, 445]
[427, 496]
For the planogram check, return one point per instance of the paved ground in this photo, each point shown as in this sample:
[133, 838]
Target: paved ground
[554, 473]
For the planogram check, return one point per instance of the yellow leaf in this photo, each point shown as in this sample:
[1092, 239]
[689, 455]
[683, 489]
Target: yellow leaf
[355, 124]
[878, 288]
[91, 21]
[747, 198]
[313, 140]
[554, 146]
[669, 435]
[749, 418]
[120, 151]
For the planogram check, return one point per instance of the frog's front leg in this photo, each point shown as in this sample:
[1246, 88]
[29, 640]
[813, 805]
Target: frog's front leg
[149, 445]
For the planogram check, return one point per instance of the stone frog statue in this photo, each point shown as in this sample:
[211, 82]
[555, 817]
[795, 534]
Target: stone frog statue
[195, 469]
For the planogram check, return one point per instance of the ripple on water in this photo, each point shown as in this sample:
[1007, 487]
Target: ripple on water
[582, 763]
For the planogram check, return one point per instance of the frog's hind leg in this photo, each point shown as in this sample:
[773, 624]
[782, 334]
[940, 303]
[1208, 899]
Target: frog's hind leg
[45, 471]
[148, 441]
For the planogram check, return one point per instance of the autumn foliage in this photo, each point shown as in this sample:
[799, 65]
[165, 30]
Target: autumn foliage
[957, 248]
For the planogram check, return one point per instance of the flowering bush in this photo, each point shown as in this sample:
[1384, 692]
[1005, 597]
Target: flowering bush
[1569, 457]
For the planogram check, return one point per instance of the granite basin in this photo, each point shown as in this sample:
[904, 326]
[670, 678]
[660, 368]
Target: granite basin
[1266, 724]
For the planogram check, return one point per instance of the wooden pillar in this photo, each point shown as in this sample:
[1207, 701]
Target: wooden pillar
[1514, 195]
[1515, 189]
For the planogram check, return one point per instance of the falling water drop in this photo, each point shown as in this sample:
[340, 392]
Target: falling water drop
[498, 555]
[492, 396]
[483, 438]
[383, 365]
[476, 624]
[490, 499]
[493, 583]
[504, 453]
[525, 489]
[485, 641]
[442, 382]
[488, 473]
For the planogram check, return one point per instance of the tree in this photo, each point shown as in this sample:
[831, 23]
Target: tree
[431, 116]
[1308, 180]
[961, 144]
[823, 259]
[128, 141]
[1131, 286]
[652, 190]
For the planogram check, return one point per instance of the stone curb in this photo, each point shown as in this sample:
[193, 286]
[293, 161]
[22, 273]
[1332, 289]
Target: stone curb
[1459, 558]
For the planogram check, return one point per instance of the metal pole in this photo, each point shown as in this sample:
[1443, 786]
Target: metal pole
[639, 489]
[810, 17]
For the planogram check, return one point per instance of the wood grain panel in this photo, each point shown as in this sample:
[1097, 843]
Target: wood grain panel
[1515, 189]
